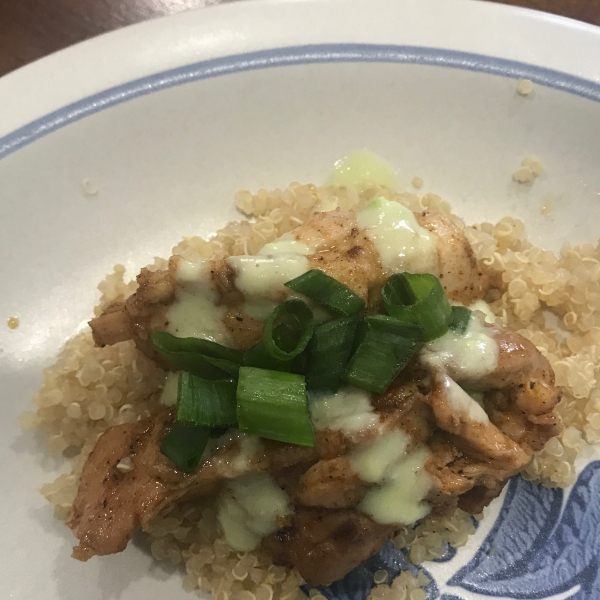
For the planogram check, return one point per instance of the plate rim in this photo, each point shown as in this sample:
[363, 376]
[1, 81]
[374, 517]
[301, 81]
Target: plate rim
[166, 43]
[291, 56]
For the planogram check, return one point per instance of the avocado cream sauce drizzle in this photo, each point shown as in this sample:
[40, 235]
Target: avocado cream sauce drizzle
[195, 312]
[250, 507]
[402, 244]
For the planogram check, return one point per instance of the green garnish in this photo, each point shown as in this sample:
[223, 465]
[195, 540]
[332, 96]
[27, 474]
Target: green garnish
[184, 446]
[385, 348]
[459, 321]
[330, 351]
[203, 358]
[273, 405]
[418, 299]
[258, 357]
[204, 402]
[288, 330]
[263, 390]
[327, 291]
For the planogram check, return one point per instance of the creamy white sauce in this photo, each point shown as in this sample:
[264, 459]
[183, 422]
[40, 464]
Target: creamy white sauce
[483, 307]
[195, 312]
[349, 410]
[401, 479]
[168, 396]
[461, 402]
[362, 168]
[374, 462]
[249, 447]
[286, 244]
[402, 244]
[228, 466]
[249, 510]
[479, 397]
[465, 358]
[260, 278]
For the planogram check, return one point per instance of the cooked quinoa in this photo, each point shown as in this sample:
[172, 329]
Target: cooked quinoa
[89, 389]
[524, 87]
[528, 170]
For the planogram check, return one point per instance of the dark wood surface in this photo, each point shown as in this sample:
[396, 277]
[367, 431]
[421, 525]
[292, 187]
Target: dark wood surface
[30, 29]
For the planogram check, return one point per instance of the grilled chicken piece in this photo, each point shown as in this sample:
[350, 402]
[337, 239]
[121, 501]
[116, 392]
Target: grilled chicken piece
[521, 392]
[331, 483]
[113, 501]
[143, 312]
[326, 545]
[409, 406]
[525, 372]
[456, 470]
[475, 459]
[479, 496]
[472, 454]
[479, 434]
[342, 251]
[531, 432]
[347, 254]
[458, 272]
[112, 326]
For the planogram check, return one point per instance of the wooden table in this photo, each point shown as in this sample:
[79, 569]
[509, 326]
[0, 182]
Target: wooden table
[30, 29]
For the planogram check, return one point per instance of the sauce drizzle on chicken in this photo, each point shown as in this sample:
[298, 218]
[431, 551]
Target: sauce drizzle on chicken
[348, 493]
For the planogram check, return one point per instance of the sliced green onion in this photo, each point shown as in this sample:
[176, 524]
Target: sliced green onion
[273, 405]
[171, 343]
[418, 299]
[204, 402]
[218, 431]
[385, 348]
[327, 291]
[288, 330]
[461, 315]
[203, 358]
[184, 446]
[300, 363]
[258, 357]
[330, 351]
[390, 325]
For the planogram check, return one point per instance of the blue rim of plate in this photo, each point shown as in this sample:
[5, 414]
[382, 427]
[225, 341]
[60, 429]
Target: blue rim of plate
[289, 56]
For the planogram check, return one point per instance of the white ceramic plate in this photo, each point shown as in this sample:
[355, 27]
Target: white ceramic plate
[167, 119]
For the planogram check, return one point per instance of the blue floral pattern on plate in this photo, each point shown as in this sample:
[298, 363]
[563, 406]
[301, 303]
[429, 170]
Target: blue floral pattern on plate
[545, 543]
